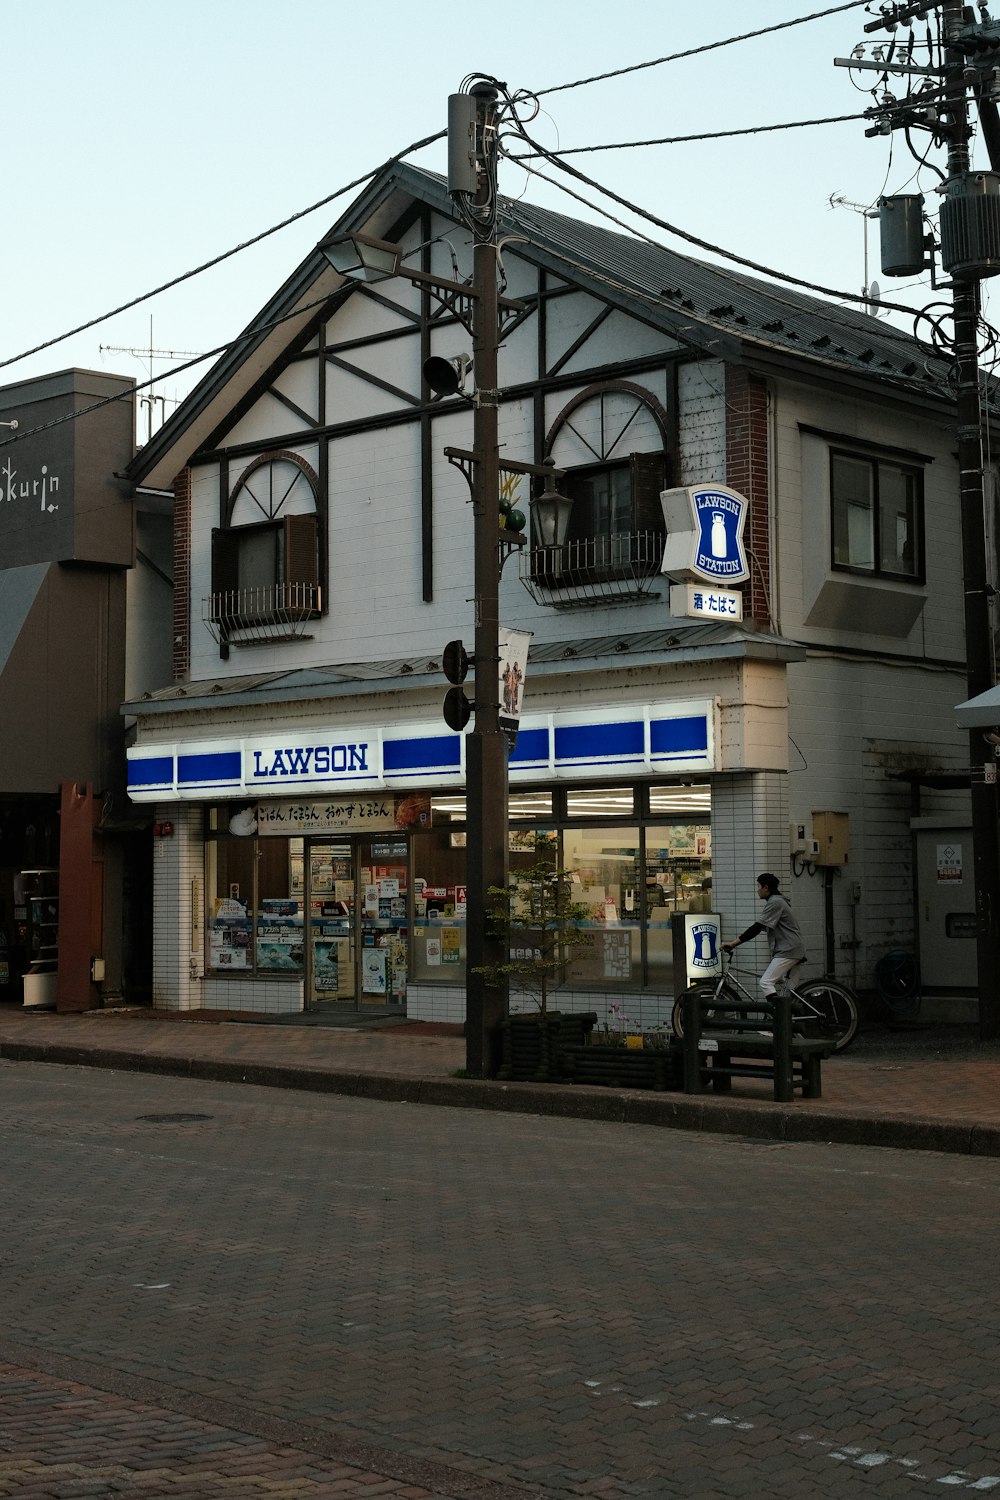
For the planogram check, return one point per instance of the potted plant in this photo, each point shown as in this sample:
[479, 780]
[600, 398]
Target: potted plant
[538, 918]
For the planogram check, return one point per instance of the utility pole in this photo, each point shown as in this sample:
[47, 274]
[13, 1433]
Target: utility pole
[979, 669]
[486, 745]
[473, 119]
[970, 250]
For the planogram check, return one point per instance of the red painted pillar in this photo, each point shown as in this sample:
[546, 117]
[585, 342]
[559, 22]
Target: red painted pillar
[81, 896]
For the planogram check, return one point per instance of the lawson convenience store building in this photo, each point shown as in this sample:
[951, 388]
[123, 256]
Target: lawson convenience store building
[309, 830]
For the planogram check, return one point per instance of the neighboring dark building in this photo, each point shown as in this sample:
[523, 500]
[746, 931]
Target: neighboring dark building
[74, 857]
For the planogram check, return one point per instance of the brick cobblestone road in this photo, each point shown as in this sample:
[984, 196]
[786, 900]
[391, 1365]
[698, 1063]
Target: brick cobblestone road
[520, 1304]
[60, 1438]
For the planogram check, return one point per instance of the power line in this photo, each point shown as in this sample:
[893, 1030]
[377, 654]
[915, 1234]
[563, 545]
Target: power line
[398, 156]
[694, 51]
[887, 330]
[711, 135]
[693, 239]
[226, 254]
[142, 385]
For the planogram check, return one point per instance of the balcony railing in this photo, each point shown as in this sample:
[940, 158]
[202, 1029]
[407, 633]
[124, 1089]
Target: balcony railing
[255, 616]
[613, 569]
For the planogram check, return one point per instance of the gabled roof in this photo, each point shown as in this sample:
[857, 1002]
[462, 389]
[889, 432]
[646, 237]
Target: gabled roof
[712, 309]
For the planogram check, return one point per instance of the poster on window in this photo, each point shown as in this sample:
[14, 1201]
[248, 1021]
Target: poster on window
[279, 947]
[451, 945]
[617, 954]
[373, 971]
[326, 966]
[229, 947]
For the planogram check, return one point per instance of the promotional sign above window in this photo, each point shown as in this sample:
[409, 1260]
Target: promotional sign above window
[363, 814]
[705, 534]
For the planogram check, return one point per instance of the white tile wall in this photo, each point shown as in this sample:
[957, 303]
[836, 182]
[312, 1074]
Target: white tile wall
[446, 1003]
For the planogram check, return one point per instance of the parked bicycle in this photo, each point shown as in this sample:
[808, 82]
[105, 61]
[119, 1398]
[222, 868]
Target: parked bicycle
[821, 1008]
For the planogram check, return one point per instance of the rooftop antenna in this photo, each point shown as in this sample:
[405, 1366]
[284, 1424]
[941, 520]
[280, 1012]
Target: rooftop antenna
[870, 292]
[148, 399]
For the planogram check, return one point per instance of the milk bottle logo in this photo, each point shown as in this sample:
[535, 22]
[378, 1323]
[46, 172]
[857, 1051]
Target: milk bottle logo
[704, 942]
[720, 546]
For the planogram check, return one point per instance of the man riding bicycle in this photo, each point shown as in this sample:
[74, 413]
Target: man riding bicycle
[784, 936]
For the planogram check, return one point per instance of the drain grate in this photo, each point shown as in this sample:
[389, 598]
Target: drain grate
[171, 1119]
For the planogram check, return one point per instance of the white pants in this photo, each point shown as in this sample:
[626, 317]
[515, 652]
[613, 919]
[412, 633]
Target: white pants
[776, 970]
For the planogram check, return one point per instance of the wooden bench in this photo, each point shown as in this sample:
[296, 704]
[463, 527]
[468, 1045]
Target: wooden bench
[749, 1039]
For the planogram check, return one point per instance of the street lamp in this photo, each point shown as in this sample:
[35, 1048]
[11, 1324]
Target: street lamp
[550, 511]
[361, 257]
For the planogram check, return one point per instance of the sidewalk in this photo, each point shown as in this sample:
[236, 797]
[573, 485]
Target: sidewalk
[933, 1090]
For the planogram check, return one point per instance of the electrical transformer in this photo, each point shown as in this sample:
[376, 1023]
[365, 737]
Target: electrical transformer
[901, 233]
[970, 225]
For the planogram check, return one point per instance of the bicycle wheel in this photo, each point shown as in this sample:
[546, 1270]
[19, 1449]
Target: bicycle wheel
[703, 991]
[836, 1010]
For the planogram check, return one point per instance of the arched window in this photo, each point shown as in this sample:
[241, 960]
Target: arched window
[265, 560]
[612, 440]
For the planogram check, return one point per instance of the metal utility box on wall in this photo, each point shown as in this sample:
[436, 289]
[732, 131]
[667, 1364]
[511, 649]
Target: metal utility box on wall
[830, 833]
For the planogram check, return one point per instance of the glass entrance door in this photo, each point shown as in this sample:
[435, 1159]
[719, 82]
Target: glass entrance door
[383, 925]
[332, 908]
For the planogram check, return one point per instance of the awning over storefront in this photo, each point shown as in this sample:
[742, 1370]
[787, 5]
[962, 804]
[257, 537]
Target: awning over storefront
[981, 712]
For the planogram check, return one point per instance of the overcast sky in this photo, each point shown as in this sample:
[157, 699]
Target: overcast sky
[143, 140]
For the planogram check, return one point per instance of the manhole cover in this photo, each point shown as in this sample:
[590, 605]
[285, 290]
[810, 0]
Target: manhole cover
[172, 1119]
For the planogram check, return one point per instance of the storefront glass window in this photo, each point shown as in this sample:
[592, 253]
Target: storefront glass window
[676, 801]
[254, 916]
[230, 889]
[279, 930]
[590, 802]
[603, 864]
[450, 807]
[437, 954]
[678, 879]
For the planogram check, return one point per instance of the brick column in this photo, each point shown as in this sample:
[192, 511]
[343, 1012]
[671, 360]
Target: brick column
[747, 470]
[181, 622]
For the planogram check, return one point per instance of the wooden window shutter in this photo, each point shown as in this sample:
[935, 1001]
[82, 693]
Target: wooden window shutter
[649, 477]
[301, 550]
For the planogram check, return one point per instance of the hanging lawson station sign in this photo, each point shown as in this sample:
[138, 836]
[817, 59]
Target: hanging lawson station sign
[704, 550]
[642, 740]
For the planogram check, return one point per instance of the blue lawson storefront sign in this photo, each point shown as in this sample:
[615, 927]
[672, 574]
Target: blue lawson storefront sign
[642, 740]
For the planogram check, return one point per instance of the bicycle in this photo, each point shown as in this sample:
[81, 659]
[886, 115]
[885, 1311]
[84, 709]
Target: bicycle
[821, 1008]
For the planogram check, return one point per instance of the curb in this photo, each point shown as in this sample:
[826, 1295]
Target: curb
[759, 1119]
